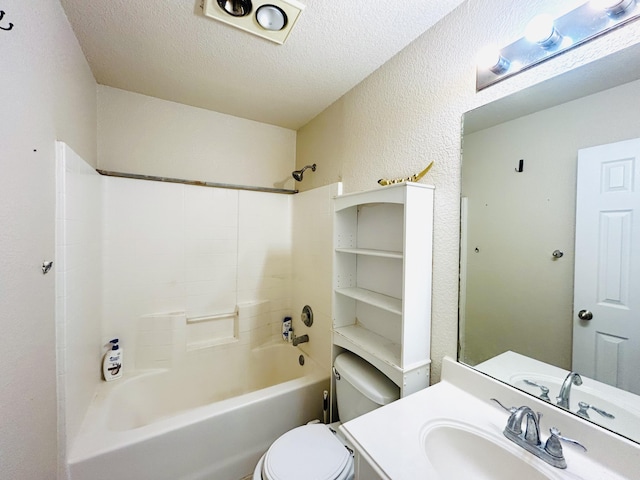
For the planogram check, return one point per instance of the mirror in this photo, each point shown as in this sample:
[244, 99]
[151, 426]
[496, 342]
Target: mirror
[519, 250]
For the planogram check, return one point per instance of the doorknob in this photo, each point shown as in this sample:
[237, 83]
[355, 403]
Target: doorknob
[585, 315]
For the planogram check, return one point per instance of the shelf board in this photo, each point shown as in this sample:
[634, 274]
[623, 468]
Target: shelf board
[381, 352]
[371, 252]
[385, 302]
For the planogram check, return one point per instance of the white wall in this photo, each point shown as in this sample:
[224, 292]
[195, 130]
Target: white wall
[145, 135]
[312, 227]
[199, 250]
[518, 220]
[48, 93]
[78, 290]
[408, 113]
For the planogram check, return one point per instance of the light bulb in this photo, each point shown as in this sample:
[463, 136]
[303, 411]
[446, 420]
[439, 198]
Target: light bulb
[271, 18]
[542, 31]
[489, 58]
[614, 7]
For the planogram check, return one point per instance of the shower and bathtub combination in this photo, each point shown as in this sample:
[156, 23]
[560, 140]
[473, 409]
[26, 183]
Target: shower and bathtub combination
[203, 394]
[198, 421]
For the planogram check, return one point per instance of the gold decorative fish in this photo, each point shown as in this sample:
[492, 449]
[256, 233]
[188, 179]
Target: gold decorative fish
[412, 178]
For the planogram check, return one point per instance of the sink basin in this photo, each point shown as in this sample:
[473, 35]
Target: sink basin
[451, 430]
[460, 452]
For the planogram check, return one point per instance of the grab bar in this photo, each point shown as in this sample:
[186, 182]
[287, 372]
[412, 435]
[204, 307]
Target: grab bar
[208, 318]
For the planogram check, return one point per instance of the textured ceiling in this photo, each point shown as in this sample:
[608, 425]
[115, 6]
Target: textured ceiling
[168, 49]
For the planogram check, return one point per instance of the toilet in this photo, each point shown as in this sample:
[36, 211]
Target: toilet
[314, 451]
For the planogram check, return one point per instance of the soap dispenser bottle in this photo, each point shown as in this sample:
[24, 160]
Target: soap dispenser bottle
[112, 362]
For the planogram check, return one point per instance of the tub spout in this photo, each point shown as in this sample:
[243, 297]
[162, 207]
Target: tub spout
[301, 339]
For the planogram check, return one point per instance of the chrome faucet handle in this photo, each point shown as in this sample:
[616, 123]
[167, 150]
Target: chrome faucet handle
[584, 406]
[513, 410]
[510, 410]
[602, 412]
[553, 446]
[582, 409]
[544, 391]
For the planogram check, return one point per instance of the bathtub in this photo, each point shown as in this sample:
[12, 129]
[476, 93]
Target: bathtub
[212, 417]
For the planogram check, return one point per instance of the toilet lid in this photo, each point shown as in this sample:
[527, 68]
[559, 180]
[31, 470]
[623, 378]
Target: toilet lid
[311, 452]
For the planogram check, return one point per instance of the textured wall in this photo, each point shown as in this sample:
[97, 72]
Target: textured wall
[47, 93]
[408, 113]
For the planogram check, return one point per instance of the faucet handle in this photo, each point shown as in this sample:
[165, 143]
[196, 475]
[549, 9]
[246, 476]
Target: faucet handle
[513, 410]
[553, 446]
[544, 390]
[510, 410]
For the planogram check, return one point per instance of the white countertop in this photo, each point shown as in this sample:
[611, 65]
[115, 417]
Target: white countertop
[391, 438]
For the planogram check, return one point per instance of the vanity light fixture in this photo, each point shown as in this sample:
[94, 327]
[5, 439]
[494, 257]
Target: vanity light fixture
[546, 37]
[270, 19]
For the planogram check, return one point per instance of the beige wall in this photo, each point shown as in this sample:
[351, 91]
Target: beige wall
[146, 135]
[408, 113]
[518, 297]
[48, 93]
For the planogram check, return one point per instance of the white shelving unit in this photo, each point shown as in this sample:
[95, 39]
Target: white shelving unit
[382, 280]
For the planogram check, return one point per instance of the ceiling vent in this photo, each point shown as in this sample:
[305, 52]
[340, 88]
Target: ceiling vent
[272, 20]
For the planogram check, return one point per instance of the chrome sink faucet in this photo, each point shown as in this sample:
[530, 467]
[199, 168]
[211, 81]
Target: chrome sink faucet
[562, 399]
[513, 430]
[551, 452]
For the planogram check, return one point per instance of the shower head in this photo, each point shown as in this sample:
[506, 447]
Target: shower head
[298, 173]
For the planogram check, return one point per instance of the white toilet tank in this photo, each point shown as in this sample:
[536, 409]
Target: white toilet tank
[360, 387]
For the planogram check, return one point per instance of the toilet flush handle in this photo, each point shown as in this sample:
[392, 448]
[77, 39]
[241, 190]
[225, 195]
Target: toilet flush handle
[335, 373]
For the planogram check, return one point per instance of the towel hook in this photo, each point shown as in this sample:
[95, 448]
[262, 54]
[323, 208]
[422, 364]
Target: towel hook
[10, 24]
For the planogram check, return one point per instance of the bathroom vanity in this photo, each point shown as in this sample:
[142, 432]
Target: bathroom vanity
[454, 430]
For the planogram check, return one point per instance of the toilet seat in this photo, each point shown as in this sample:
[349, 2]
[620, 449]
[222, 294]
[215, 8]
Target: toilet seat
[311, 452]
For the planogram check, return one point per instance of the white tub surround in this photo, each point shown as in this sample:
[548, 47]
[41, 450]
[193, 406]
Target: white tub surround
[393, 442]
[234, 402]
[198, 250]
[78, 286]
